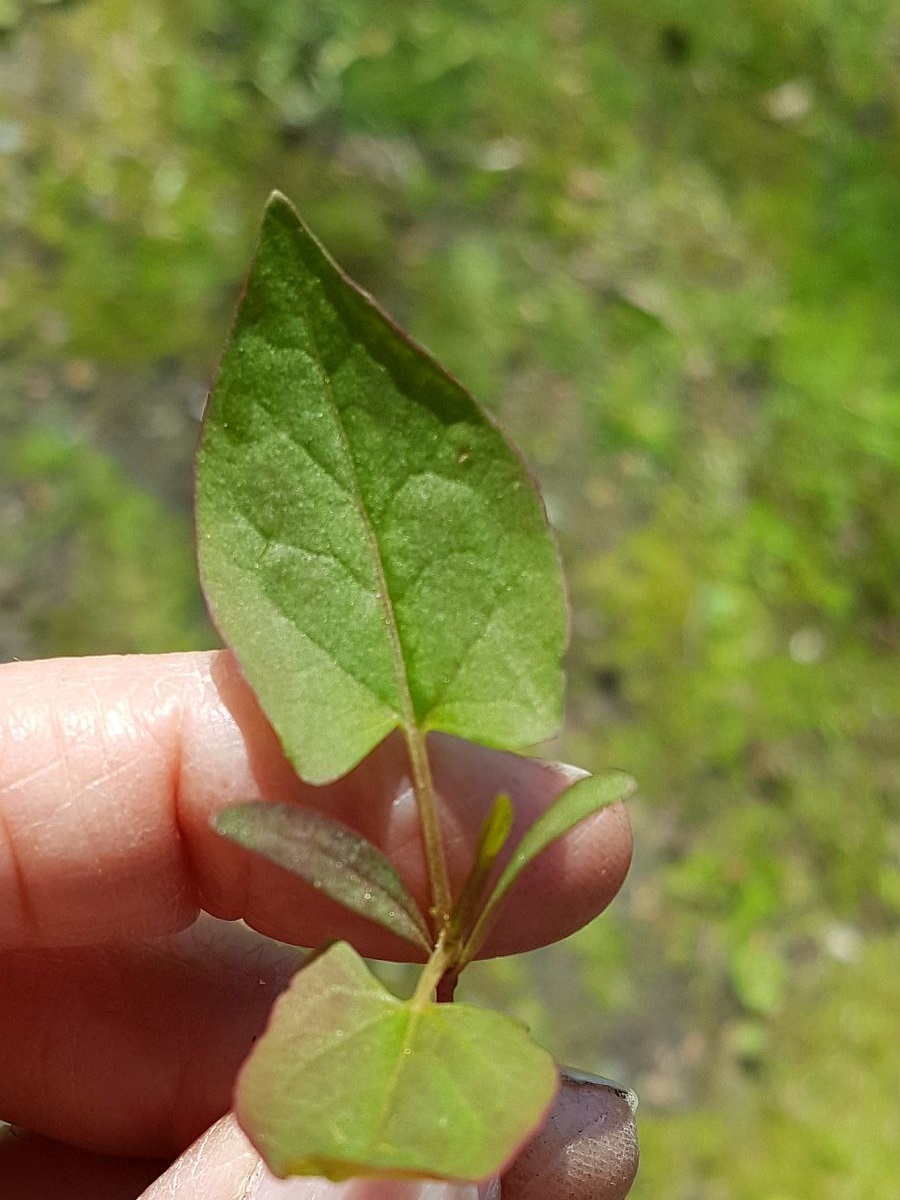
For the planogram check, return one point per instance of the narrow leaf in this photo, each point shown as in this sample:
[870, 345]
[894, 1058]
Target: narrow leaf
[370, 544]
[578, 802]
[349, 1080]
[494, 832]
[495, 829]
[334, 859]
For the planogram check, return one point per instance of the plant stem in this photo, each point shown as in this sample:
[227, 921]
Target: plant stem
[432, 973]
[429, 823]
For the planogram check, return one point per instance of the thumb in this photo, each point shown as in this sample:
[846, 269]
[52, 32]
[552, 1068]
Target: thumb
[222, 1165]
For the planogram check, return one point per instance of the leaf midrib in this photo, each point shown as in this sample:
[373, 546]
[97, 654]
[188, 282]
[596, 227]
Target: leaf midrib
[415, 1015]
[408, 714]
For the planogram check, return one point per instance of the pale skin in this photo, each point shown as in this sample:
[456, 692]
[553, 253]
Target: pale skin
[129, 992]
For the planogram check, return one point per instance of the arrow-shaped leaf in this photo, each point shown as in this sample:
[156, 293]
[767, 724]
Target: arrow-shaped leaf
[336, 860]
[578, 802]
[349, 1080]
[370, 544]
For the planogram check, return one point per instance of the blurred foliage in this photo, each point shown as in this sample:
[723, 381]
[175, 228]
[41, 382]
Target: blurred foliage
[113, 569]
[818, 1119]
[663, 242]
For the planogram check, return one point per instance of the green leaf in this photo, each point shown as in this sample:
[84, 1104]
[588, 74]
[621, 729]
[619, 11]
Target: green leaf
[334, 859]
[370, 544]
[578, 802]
[495, 829]
[349, 1080]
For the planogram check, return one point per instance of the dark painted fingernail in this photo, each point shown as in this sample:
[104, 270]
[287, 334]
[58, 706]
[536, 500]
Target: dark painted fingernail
[629, 1095]
[587, 1150]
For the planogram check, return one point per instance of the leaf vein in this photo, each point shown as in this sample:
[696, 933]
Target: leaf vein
[328, 653]
[383, 591]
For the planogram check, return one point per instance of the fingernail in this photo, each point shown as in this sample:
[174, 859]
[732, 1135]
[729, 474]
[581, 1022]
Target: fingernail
[572, 774]
[262, 1185]
[629, 1095]
[588, 1147]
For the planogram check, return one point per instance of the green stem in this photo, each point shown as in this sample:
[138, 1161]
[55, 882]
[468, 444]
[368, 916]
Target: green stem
[433, 972]
[429, 823]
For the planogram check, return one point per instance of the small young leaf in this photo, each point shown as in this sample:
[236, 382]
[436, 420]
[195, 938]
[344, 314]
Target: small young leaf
[349, 1080]
[579, 801]
[333, 858]
[495, 829]
[370, 545]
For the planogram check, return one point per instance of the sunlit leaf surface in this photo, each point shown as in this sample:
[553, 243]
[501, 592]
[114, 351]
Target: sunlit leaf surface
[370, 544]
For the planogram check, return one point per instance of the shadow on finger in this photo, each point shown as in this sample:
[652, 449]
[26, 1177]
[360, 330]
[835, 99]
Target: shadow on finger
[37, 1168]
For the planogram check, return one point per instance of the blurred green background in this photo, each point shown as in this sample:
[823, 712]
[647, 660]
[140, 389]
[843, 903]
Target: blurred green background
[662, 242]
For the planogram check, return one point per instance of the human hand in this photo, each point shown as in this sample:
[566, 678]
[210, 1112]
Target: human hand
[128, 994]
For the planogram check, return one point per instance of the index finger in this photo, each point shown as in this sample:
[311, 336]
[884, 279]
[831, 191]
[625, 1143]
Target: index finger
[111, 768]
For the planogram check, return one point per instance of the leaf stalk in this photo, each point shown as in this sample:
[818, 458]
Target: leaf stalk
[430, 827]
[434, 971]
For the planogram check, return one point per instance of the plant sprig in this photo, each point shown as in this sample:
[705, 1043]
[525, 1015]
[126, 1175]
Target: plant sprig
[375, 553]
